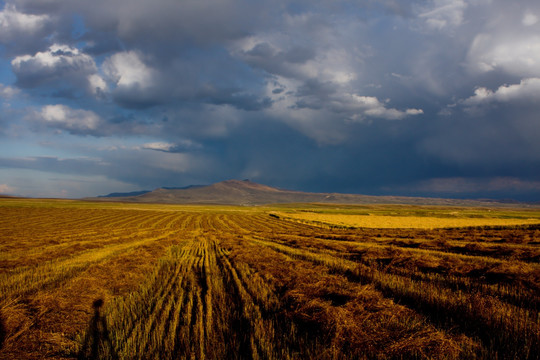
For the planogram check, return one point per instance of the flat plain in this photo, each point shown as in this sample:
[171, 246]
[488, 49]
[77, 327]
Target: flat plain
[141, 281]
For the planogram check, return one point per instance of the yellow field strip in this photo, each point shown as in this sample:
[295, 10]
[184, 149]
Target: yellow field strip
[403, 222]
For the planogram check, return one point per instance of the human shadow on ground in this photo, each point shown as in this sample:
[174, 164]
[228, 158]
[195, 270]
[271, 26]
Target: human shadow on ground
[97, 336]
[2, 332]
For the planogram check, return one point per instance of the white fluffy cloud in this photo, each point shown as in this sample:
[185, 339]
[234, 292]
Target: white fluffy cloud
[362, 106]
[96, 84]
[516, 54]
[7, 92]
[58, 62]
[14, 23]
[183, 144]
[159, 146]
[128, 70]
[72, 120]
[527, 89]
[529, 19]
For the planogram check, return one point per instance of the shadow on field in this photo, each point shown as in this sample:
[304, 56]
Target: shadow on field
[2, 332]
[97, 336]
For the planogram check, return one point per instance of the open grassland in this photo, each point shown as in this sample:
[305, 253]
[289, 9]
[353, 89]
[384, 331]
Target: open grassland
[127, 281]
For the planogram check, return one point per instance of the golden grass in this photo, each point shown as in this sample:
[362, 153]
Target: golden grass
[121, 281]
[403, 222]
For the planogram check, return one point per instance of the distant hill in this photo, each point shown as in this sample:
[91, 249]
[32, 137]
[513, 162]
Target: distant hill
[245, 192]
[142, 192]
[127, 194]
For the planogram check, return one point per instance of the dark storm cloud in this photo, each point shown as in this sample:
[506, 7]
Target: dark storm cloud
[100, 43]
[273, 153]
[502, 140]
[366, 96]
[145, 24]
[276, 61]
[21, 32]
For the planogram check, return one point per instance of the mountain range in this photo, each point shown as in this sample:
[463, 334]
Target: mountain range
[246, 192]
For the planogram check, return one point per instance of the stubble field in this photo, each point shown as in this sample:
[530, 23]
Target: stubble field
[125, 281]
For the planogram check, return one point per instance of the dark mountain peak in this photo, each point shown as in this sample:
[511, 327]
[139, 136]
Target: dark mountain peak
[124, 194]
[181, 187]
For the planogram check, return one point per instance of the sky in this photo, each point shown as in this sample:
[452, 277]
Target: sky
[418, 98]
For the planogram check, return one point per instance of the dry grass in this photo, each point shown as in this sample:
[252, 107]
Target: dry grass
[117, 281]
[402, 222]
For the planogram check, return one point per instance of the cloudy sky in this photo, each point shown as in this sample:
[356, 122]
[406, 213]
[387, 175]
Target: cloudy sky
[420, 97]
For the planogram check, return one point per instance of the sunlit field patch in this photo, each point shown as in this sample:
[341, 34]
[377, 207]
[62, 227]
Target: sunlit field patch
[408, 222]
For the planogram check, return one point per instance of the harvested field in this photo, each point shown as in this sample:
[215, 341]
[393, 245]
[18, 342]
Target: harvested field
[120, 281]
